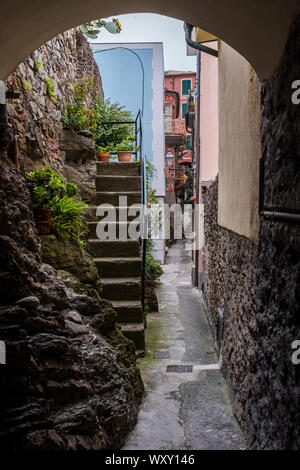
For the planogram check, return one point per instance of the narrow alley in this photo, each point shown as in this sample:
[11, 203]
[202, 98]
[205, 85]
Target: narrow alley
[189, 410]
[150, 228]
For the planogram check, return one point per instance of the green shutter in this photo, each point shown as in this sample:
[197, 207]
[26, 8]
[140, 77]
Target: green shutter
[186, 86]
[183, 110]
[188, 145]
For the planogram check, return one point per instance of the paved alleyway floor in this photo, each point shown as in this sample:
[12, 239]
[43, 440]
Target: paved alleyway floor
[189, 410]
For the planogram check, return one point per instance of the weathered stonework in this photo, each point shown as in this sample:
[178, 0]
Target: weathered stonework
[257, 287]
[70, 381]
[38, 121]
[275, 409]
[35, 117]
[230, 263]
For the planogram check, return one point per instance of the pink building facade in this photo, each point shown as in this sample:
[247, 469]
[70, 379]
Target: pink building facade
[206, 143]
[177, 88]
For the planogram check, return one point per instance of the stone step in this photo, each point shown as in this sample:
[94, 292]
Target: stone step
[119, 267]
[121, 288]
[121, 198]
[129, 311]
[114, 230]
[120, 212]
[118, 168]
[114, 248]
[118, 183]
[135, 332]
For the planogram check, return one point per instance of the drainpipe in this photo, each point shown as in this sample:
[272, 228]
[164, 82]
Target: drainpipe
[188, 28]
[197, 173]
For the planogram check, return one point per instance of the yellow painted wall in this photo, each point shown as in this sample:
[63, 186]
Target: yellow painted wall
[239, 144]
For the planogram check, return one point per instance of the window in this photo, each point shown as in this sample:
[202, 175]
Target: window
[183, 110]
[186, 85]
[168, 118]
[188, 145]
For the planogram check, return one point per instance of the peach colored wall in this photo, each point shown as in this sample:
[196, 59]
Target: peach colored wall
[240, 144]
[209, 116]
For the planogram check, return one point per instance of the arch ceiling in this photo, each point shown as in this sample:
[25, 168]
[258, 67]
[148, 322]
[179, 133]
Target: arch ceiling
[257, 29]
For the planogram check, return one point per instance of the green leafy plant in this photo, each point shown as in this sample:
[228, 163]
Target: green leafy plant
[26, 85]
[51, 184]
[50, 89]
[71, 189]
[153, 268]
[78, 117]
[126, 146]
[38, 62]
[68, 216]
[82, 88]
[146, 308]
[106, 149]
[49, 190]
[106, 111]
[91, 29]
[40, 197]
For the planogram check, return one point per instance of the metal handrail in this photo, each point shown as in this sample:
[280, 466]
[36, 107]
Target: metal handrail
[143, 215]
[138, 127]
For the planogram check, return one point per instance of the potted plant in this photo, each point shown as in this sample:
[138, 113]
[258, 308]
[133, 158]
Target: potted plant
[124, 149]
[103, 154]
[44, 185]
[41, 210]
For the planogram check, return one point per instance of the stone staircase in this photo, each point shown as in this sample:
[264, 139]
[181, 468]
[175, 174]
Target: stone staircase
[119, 261]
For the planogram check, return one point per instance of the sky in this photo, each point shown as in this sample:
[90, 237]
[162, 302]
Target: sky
[148, 27]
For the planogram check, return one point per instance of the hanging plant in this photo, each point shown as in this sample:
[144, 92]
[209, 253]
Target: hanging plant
[92, 28]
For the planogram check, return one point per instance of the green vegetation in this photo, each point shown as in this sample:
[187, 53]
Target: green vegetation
[92, 28]
[50, 88]
[153, 268]
[126, 145]
[69, 223]
[38, 62]
[106, 149]
[79, 116]
[112, 112]
[49, 190]
[26, 85]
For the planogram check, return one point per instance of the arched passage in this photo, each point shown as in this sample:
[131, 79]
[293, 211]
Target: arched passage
[259, 33]
[256, 29]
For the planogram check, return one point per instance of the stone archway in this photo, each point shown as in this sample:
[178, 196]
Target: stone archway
[257, 30]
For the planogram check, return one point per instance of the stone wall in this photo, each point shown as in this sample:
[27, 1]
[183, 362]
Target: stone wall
[275, 410]
[70, 379]
[257, 287]
[38, 120]
[230, 266]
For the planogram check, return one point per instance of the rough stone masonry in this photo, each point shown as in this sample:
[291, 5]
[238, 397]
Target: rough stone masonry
[256, 288]
[70, 379]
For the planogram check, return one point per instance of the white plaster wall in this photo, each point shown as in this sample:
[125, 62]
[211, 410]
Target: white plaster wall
[158, 144]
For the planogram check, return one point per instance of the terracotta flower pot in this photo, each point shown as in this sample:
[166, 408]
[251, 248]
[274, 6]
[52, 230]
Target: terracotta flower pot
[103, 157]
[124, 156]
[42, 220]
